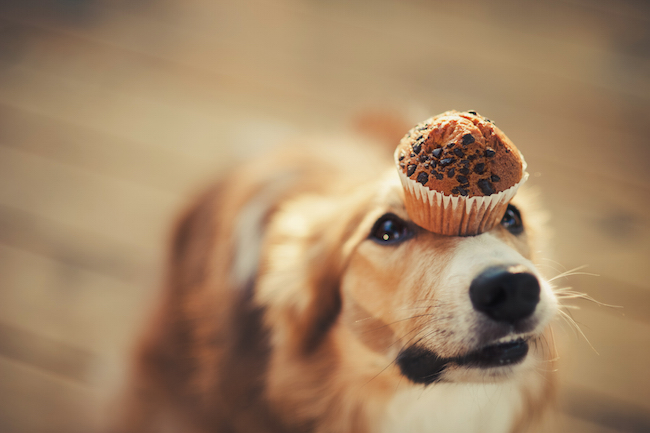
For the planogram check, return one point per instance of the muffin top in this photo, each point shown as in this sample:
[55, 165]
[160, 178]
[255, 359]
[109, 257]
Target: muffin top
[460, 154]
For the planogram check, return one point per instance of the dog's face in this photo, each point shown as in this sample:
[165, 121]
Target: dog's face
[446, 308]
[356, 293]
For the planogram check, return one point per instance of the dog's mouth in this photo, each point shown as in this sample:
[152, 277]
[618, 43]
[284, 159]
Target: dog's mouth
[496, 355]
[423, 366]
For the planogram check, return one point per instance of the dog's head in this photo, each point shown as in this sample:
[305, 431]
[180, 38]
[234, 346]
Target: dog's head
[351, 284]
[452, 308]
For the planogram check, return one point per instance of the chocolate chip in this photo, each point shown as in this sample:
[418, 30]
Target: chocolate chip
[433, 163]
[410, 169]
[464, 162]
[462, 191]
[472, 157]
[459, 152]
[462, 179]
[450, 145]
[490, 152]
[401, 164]
[454, 190]
[402, 156]
[485, 186]
[451, 172]
[464, 170]
[479, 168]
[446, 161]
[468, 139]
[439, 176]
[412, 154]
[417, 147]
[423, 178]
[422, 158]
[426, 165]
[495, 178]
[437, 152]
[473, 112]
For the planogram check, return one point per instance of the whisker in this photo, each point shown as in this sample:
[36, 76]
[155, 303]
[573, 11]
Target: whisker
[571, 272]
[537, 342]
[392, 323]
[552, 332]
[380, 372]
[571, 307]
[422, 300]
[571, 321]
[414, 308]
[419, 330]
[398, 340]
[540, 265]
[568, 293]
[563, 315]
[396, 310]
[548, 259]
[543, 338]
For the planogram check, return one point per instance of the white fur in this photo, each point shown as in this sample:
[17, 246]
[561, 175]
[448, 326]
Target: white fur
[452, 407]
[248, 231]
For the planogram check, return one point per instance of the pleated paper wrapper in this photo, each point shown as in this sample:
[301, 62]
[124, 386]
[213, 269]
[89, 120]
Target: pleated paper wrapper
[456, 215]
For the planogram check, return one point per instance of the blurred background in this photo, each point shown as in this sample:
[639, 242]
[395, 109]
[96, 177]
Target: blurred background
[114, 113]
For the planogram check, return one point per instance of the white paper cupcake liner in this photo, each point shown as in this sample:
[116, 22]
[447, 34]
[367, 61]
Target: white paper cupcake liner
[456, 215]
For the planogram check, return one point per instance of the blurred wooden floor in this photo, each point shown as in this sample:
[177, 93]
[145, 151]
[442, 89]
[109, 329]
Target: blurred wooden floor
[112, 113]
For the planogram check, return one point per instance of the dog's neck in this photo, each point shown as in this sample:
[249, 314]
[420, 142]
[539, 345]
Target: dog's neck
[458, 408]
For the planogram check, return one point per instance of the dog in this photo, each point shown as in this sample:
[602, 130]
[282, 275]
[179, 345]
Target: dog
[301, 298]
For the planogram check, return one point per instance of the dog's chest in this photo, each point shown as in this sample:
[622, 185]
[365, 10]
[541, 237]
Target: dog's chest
[457, 408]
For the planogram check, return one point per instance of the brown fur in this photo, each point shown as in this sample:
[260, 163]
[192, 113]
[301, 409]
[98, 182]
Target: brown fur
[306, 342]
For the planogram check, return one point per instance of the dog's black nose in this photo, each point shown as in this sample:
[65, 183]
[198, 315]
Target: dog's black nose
[505, 293]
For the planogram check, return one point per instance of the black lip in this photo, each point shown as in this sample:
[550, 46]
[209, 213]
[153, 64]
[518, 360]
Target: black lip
[422, 365]
[496, 355]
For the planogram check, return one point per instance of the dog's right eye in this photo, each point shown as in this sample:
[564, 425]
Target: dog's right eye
[390, 229]
[512, 220]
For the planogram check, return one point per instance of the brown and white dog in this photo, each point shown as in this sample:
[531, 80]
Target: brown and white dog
[301, 298]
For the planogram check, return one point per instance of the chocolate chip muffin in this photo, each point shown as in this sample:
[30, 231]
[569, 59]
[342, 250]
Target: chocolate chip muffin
[463, 159]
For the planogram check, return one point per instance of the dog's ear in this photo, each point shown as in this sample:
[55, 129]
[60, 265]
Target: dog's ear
[305, 256]
[384, 127]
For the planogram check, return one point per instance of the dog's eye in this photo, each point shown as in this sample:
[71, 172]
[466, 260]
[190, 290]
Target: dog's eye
[390, 229]
[512, 220]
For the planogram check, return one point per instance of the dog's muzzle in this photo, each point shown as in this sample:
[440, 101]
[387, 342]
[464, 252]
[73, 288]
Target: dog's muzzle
[505, 293]
[508, 296]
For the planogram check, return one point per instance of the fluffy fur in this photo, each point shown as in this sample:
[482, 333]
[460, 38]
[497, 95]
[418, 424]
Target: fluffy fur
[281, 314]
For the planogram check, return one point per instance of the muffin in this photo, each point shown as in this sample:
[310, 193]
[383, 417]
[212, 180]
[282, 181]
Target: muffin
[459, 171]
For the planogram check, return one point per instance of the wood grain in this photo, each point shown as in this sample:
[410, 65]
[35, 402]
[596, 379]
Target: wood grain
[113, 114]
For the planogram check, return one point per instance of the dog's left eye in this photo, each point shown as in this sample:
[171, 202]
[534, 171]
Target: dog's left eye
[390, 229]
[512, 220]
